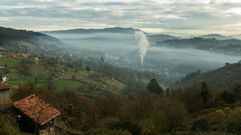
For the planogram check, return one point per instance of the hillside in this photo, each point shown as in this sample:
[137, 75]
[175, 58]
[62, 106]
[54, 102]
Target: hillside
[28, 41]
[157, 38]
[237, 36]
[220, 79]
[217, 36]
[230, 46]
[90, 77]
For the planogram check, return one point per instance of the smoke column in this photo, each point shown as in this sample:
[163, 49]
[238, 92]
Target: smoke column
[143, 44]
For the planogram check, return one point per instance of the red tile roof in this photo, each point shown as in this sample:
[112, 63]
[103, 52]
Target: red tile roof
[4, 87]
[36, 109]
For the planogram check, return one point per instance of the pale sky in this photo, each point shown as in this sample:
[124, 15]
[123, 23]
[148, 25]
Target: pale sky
[157, 16]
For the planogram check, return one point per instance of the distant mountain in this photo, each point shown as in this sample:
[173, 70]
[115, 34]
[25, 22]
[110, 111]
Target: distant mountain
[237, 36]
[230, 46]
[157, 38]
[105, 30]
[220, 79]
[217, 36]
[28, 41]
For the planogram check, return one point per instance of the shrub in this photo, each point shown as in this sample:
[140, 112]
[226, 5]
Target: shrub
[200, 125]
[23, 92]
[8, 126]
[233, 122]
[128, 125]
[108, 122]
[216, 119]
[103, 131]
[167, 115]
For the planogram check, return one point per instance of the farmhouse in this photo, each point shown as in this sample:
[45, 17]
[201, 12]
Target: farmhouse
[4, 93]
[35, 115]
[3, 52]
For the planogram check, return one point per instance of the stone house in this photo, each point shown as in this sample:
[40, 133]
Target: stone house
[35, 115]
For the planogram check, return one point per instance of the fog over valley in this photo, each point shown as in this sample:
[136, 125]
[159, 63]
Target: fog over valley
[124, 50]
[120, 67]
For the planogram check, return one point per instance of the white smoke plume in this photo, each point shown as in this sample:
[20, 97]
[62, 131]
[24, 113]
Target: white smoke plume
[143, 44]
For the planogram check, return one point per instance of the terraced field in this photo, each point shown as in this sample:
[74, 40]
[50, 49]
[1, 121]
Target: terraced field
[20, 71]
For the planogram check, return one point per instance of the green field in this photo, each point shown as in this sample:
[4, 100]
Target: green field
[67, 85]
[10, 62]
[63, 78]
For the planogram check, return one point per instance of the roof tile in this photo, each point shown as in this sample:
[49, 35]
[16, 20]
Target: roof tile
[4, 87]
[36, 109]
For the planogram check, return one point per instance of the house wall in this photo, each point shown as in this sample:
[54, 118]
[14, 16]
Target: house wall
[25, 123]
[48, 131]
[29, 126]
[47, 128]
[5, 96]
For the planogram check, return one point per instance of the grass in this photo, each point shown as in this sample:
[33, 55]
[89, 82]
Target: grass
[202, 133]
[67, 85]
[16, 78]
[63, 79]
[11, 62]
[39, 70]
[115, 86]
[80, 75]
[62, 126]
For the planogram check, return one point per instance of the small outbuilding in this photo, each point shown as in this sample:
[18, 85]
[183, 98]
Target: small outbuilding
[35, 115]
[5, 93]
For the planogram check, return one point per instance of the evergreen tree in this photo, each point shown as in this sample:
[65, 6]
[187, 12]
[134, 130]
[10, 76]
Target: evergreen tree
[154, 87]
[204, 93]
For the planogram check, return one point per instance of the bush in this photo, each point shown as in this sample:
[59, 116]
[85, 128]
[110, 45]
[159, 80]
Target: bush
[167, 115]
[233, 122]
[216, 119]
[23, 92]
[103, 131]
[129, 126]
[8, 126]
[108, 122]
[200, 125]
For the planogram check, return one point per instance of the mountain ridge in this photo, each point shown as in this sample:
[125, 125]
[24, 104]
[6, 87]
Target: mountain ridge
[216, 36]
[81, 30]
[229, 46]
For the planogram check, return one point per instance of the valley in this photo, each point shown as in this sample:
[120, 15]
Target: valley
[97, 81]
[120, 67]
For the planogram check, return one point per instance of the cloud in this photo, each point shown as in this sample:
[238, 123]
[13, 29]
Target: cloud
[182, 16]
[236, 11]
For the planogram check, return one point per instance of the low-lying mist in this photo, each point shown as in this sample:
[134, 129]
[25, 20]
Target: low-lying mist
[122, 49]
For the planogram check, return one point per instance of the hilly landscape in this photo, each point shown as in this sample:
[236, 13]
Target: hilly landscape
[25, 56]
[120, 67]
[73, 76]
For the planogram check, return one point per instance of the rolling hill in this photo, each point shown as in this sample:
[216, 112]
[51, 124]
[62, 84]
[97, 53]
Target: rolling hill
[86, 31]
[220, 79]
[230, 46]
[28, 41]
[217, 36]
[158, 38]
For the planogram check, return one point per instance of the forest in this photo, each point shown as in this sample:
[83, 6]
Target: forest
[197, 110]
